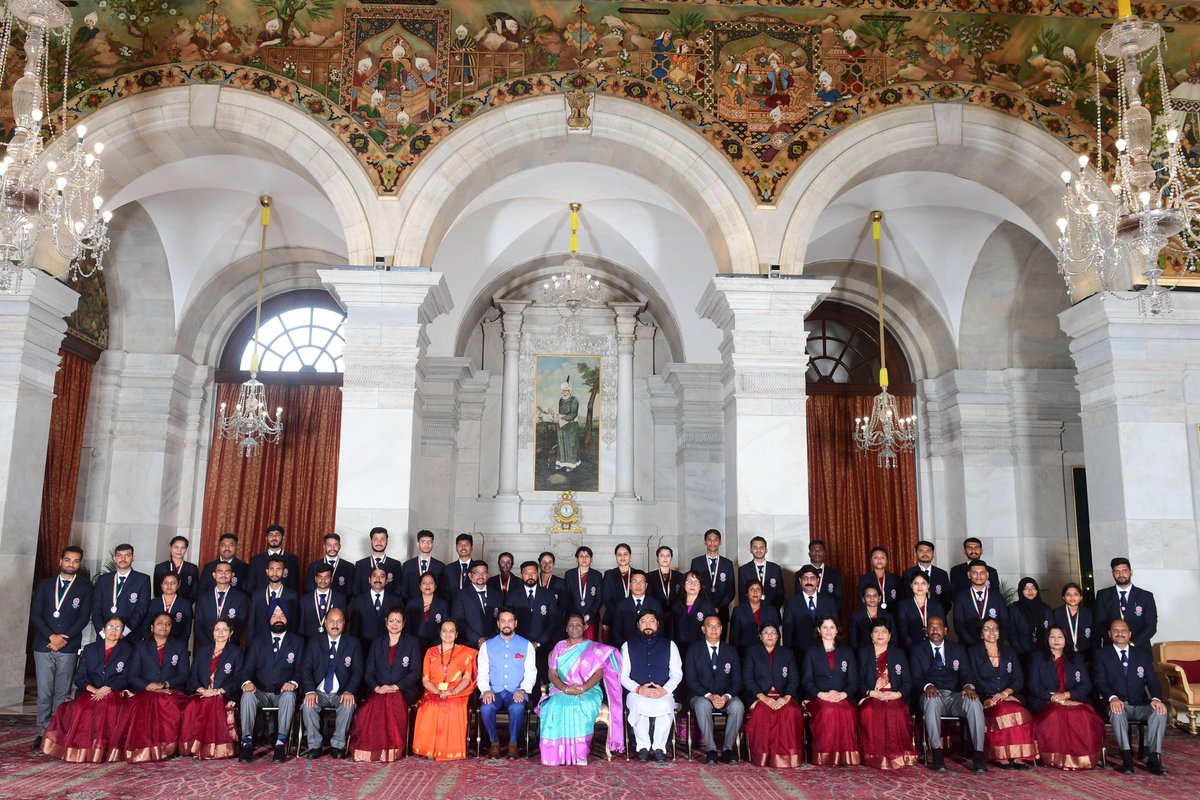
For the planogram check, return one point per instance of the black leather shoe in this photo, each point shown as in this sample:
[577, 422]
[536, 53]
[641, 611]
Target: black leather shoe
[1154, 765]
[728, 757]
[938, 762]
[280, 754]
[1126, 762]
[660, 756]
[246, 755]
[710, 757]
[643, 755]
[337, 752]
[1021, 765]
[312, 754]
[979, 762]
[37, 743]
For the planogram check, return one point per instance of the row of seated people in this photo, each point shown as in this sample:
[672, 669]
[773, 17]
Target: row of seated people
[148, 700]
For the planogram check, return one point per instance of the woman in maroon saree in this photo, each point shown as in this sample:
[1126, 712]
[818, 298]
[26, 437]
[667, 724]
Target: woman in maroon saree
[885, 728]
[209, 728]
[1069, 732]
[775, 726]
[380, 730]
[831, 682]
[84, 729]
[154, 713]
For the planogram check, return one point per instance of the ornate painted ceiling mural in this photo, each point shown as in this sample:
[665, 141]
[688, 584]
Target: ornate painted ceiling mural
[766, 82]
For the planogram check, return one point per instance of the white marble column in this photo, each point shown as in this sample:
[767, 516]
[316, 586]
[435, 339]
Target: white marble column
[514, 311]
[699, 457]
[763, 374]
[32, 323]
[386, 314]
[1139, 388]
[626, 326]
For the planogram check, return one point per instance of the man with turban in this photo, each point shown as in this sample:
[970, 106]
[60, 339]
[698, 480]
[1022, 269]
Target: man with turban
[271, 678]
[568, 428]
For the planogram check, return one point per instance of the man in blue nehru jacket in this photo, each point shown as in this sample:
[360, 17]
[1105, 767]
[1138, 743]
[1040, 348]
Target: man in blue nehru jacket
[507, 671]
[61, 608]
[650, 672]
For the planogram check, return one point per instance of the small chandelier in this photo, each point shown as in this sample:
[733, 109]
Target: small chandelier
[885, 431]
[1147, 215]
[251, 423]
[62, 201]
[573, 287]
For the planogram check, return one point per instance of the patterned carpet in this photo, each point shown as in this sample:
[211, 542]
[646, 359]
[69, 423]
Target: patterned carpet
[24, 774]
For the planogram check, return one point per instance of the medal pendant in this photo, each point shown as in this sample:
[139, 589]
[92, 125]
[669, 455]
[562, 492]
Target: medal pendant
[321, 629]
[443, 686]
[112, 609]
[57, 615]
[883, 605]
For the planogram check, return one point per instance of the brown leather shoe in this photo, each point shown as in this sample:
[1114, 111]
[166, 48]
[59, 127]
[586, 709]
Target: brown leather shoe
[494, 750]
[513, 755]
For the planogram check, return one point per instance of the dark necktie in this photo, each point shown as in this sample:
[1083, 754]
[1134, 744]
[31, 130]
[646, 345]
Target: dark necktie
[379, 562]
[637, 606]
[332, 667]
[712, 566]
[322, 599]
[220, 597]
[761, 576]
[1124, 597]
[378, 604]
[937, 657]
[531, 599]
[274, 595]
[121, 585]
[483, 600]
[713, 657]
[62, 586]
[424, 566]
[812, 606]
[1125, 660]
[275, 645]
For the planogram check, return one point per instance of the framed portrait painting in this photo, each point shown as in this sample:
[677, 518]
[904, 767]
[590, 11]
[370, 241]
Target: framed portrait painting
[567, 428]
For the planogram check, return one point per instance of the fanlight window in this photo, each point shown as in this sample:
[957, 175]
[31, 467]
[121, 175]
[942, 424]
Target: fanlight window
[840, 353]
[305, 339]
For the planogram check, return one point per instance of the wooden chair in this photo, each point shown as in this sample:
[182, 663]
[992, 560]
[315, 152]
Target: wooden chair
[1172, 662]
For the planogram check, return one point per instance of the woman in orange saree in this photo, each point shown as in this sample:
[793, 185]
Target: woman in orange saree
[448, 675]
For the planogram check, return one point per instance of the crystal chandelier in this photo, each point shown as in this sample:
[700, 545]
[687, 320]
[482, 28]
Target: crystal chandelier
[250, 423]
[61, 200]
[885, 431]
[573, 287]
[1146, 216]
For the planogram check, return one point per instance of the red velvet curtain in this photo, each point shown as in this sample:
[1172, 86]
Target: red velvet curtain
[293, 483]
[72, 388]
[854, 504]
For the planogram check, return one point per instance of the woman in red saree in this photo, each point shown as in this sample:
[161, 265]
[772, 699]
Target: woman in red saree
[394, 680]
[885, 728]
[209, 728]
[84, 729]
[1069, 732]
[448, 675]
[831, 682]
[154, 713]
[775, 726]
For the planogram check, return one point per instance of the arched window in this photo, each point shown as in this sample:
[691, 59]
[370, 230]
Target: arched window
[843, 353]
[300, 338]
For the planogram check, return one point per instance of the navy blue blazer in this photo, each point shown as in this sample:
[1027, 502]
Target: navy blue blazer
[514, 583]
[773, 593]
[343, 576]
[891, 589]
[311, 622]
[269, 670]
[959, 582]
[454, 580]
[799, 625]
[1087, 635]
[367, 623]
[586, 599]
[899, 672]
[686, 626]
[1141, 614]
[612, 592]
[476, 616]
[91, 668]
[132, 604]
[557, 587]
[664, 589]
[743, 630]
[706, 676]
[624, 618]
[1042, 680]
[235, 611]
[349, 664]
[952, 676]
[1028, 637]
[241, 573]
[761, 674]
[818, 677]
[73, 615]
[860, 626]
[404, 671]
[260, 616]
[939, 584]
[1137, 685]
[424, 628]
[830, 584]
[538, 621]
[990, 680]
[146, 670]
[256, 573]
[188, 574]
[410, 576]
[182, 618]
[723, 589]
[362, 573]
[967, 619]
[227, 675]
[910, 628]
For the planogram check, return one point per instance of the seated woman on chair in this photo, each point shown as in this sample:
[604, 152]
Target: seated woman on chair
[568, 714]
[209, 727]
[448, 675]
[1069, 732]
[159, 678]
[771, 678]
[885, 728]
[380, 730]
[1008, 736]
[831, 683]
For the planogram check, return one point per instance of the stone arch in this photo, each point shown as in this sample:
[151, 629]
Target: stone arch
[625, 135]
[138, 278]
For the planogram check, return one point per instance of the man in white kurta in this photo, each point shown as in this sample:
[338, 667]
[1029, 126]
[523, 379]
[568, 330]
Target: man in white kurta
[650, 671]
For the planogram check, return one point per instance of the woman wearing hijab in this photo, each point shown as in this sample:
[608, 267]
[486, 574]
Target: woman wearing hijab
[1030, 619]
